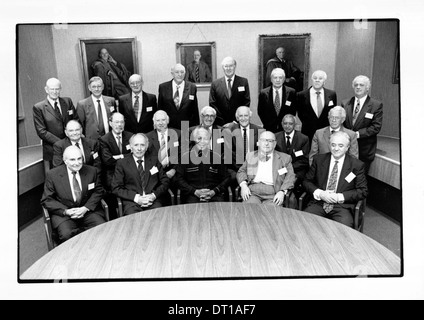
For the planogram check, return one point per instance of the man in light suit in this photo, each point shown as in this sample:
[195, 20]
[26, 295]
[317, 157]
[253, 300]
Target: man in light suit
[337, 182]
[50, 118]
[72, 194]
[266, 175]
[95, 110]
[138, 107]
[139, 179]
[89, 147]
[276, 101]
[208, 121]
[314, 103]
[178, 98]
[198, 71]
[321, 140]
[228, 93]
[364, 116]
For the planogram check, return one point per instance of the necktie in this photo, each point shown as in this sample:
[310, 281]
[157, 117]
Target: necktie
[197, 73]
[100, 115]
[141, 172]
[229, 88]
[177, 97]
[288, 144]
[277, 102]
[163, 152]
[136, 107]
[56, 108]
[200, 153]
[331, 186]
[76, 187]
[245, 142]
[332, 131]
[356, 111]
[319, 104]
[119, 143]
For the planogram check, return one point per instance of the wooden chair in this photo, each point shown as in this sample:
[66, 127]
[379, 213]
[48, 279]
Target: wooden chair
[51, 235]
[358, 216]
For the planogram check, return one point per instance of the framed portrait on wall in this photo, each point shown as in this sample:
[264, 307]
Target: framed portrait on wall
[112, 59]
[199, 59]
[287, 51]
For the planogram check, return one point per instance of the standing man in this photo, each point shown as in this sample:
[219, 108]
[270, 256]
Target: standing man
[337, 181]
[198, 71]
[95, 110]
[314, 103]
[138, 107]
[228, 93]
[276, 101]
[364, 116]
[178, 98]
[278, 61]
[72, 195]
[50, 118]
[139, 179]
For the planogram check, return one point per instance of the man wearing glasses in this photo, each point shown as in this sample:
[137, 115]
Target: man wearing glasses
[266, 175]
[321, 140]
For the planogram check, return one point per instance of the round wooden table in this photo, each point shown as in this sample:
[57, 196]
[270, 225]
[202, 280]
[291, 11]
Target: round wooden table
[216, 240]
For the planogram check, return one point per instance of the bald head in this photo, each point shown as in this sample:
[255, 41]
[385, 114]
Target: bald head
[72, 157]
[229, 66]
[53, 88]
[178, 73]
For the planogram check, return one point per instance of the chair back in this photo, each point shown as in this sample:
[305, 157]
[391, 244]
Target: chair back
[48, 230]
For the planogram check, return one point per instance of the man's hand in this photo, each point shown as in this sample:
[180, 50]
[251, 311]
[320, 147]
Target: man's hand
[328, 197]
[279, 198]
[245, 192]
[171, 173]
[76, 213]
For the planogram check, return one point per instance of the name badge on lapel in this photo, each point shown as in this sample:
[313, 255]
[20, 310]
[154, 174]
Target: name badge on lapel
[91, 186]
[331, 103]
[191, 97]
[128, 147]
[119, 156]
[220, 140]
[298, 153]
[154, 170]
[282, 171]
[95, 155]
[176, 144]
[70, 112]
[350, 177]
[112, 108]
[288, 103]
[149, 109]
[369, 115]
[241, 89]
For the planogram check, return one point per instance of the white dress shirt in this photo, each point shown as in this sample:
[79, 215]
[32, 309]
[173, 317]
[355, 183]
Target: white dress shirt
[71, 182]
[52, 103]
[340, 197]
[104, 112]
[313, 98]
[361, 103]
[264, 173]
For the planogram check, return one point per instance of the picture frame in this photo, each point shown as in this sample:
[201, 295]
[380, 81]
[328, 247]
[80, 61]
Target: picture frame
[123, 51]
[185, 52]
[396, 69]
[297, 50]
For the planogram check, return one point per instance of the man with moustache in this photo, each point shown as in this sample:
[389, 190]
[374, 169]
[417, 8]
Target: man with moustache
[198, 71]
[228, 93]
[276, 101]
[138, 107]
[139, 179]
[337, 181]
[178, 98]
[94, 111]
[72, 195]
[50, 118]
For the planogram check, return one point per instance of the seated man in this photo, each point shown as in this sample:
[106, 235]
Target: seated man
[202, 176]
[295, 144]
[337, 181]
[266, 175]
[321, 139]
[72, 194]
[207, 121]
[139, 179]
[89, 147]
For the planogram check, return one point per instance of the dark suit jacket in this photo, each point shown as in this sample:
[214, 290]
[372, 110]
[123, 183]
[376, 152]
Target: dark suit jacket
[127, 182]
[353, 191]
[49, 126]
[91, 152]
[109, 154]
[188, 110]
[149, 107]
[204, 72]
[57, 195]
[367, 128]
[310, 120]
[226, 107]
[266, 110]
[299, 151]
[87, 114]
[174, 146]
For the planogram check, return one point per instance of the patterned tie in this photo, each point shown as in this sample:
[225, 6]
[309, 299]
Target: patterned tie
[288, 144]
[277, 102]
[197, 73]
[142, 173]
[136, 107]
[177, 97]
[319, 104]
[119, 143]
[100, 119]
[356, 111]
[245, 142]
[229, 88]
[332, 183]
[163, 152]
[76, 187]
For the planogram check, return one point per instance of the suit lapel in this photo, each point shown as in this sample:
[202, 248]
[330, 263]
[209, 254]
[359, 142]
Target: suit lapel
[87, 149]
[84, 181]
[224, 87]
[346, 169]
[327, 136]
[91, 110]
[49, 108]
[186, 92]
[349, 112]
[64, 180]
[365, 108]
[129, 106]
[275, 166]
[325, 167]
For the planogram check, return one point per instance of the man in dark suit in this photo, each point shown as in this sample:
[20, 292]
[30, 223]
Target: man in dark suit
[50, 118]
[89, 147]
[364, 116]
[290, 70]
[198, 71]
[337, 181]
[314, 103]
[139, 179]
[228, 93]
[178, 98]
[138, 107]
[72, 194]
[295, 144]
[208, 117]
[276, 101]
[94, 111]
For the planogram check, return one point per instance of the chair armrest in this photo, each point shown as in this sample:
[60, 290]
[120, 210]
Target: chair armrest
[105, 208]
[230, 194]
[302, 200]
[120, 212]
[48, 229]
[358, 219]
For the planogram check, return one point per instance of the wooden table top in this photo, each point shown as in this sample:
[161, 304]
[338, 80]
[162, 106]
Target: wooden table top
[216, 240]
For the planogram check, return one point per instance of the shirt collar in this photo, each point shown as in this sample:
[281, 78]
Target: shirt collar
[340, 161]
[320, 90]
[70, 171]
[79, 142]
[53, 101]
[174, 84]
[291, 135]
[160, 133]
[361, 100]
[136, 159]
[95, 99]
